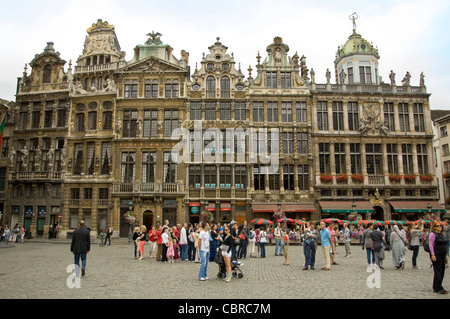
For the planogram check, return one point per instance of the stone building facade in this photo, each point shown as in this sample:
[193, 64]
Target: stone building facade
[110, 136]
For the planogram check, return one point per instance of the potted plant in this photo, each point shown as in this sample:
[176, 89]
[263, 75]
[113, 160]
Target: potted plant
[426, 178]
[206, 216]
[325, 178]
[446, 175]
[410, 177]
[395, 178]
[342, 178]
[358, 178]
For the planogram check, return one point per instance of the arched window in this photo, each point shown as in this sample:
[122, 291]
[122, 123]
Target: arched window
[225, 87]
[210, 86]
[47, 77]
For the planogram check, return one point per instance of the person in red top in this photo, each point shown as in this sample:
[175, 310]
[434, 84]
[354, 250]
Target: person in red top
[333, 240]
[159, 244]
[152, 241]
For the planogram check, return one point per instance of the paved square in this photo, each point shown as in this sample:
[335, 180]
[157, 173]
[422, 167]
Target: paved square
[38, 269]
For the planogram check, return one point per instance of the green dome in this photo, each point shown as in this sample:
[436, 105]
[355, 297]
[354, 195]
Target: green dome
[356, 44]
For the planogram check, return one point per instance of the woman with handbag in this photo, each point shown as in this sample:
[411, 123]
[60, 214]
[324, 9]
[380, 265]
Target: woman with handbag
[414, 235]
[398, 240]
[262, 242]
[226, 252]
[439, 255]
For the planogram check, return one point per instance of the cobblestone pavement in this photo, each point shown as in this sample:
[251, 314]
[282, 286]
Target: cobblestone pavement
[38, 269]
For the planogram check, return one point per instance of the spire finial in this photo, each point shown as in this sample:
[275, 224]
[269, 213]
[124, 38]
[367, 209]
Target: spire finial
[353, 17]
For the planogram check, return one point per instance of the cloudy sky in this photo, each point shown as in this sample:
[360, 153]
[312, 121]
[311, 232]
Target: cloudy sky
[410, 35]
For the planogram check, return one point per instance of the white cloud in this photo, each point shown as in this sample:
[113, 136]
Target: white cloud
[401, 30]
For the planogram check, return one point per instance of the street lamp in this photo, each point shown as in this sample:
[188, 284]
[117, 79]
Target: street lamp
[429, 210]
[354, 208]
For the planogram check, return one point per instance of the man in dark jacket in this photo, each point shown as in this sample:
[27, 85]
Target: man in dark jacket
[81, 245]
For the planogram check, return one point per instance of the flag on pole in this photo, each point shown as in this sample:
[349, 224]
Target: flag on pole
[2, 126]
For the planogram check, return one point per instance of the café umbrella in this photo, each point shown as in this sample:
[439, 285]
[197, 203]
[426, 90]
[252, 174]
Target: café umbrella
[286, 220]
[330, 220]
[261, 221]
[358, 222]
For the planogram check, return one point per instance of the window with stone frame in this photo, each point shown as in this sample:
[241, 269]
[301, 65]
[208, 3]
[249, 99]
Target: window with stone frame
[90, 158]
[274, 180]
[151, 91]
[258, 111]
[131, 90]
[169, 169]
[92, 121]
[285, 80]
[128, 167]
[350, 75]
[389, 116]
[286, 112]
[35, 119]
[149, 167]
[106, 158]
[210, 87]
[172, 90]
[78, 158]
[150, 126]
[338, 116]
[225, 176]
[272, 111]
[403, 117]
[271, 80]
[210, 176]
[47, 74]
[392, 158]
[61, 117]
[288, 177]
[365, 75]
[240, 176]
[210, 111]
[195, 176]
[324, 158]
[225, 87]
[107, 120]
[301, 112]
[239, 111]
[48, 119]
[407, 159]
[303, 177]
[419, 117]
[195, 111]
[288, 143]
[340, 163]
[422, 159]
[170, 122]
[129, 123]
[225, 111]
[79, 122]
[322, 115]
[374, 159]
[353, 116]
[259, 177]
[355, 158]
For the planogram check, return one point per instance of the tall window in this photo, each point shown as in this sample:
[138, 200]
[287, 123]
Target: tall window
[48, 118]
[259, 177]
[128, 167]
[419, 122]
[403, 117]
[303, 177]
[210, 111]
[225, 87]
[288, 143]
[339, 158]
[338, 116]
[240, 176]
[210, 87]
[195, 176]
[129, 123]
[106, 157]
[286, 111]
[355, 158]
[322, 116]
[61, 121]
[225, 176]
[288, 177]
[422, 158]
[210, 176]
[35, 119]
[272, 111]
[301, 112]
[271, 80]
[92, 121]
[196, 111]
[169, 169]
[274, 180]
[239, 111]
[285, 78]
[374, 159]
[148, 167]
[171, 89]
[389, 118]
[90, 158]
[107, 120]
[365, 75]
[131, 90]
[302, 143]
[151, 91]
[78, 156]
[150, 123]
[47, 74]
[225, 111]
[353, 116]
[258, 112]
[350, 75]
[170, 122]
[407, 156]
[324, 158]
[392, 158]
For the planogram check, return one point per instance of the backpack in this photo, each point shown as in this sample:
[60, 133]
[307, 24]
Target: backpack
[251, 235]
[426, 243]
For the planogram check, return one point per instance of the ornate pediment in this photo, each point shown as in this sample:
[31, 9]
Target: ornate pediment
[152, 64]
[370, 122]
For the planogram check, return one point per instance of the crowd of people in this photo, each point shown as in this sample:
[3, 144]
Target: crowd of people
[14, 234]
[198, 243]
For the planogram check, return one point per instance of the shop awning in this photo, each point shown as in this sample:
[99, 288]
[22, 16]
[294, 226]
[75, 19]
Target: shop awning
[265, 208]
[225, 206]
[194, 204]
[298, 208]
[416, 206]
[211, 207]
[345, 207]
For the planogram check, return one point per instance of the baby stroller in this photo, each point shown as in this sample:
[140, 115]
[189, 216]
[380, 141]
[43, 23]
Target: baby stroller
[235, 266]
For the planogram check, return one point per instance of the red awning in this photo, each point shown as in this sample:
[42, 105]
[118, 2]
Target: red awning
[345, 206]
[211, 207]
[416, 206]
[194, 204]
[225, 206]
[265, 208]
[298, 208]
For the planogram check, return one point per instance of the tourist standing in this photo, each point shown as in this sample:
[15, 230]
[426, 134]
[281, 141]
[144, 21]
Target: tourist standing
[262, 242]
[165, 243]
[277, 233]
[152, 247]
[285, 239]
[414, 235]
[397, 241]
[136, 242]
[360, 234]
[191, 244]
[325, 237]
[366, 240]
[347, 240]
[80, 247]
[225, 249]
[439, 256]
[158, 244]
[6, 234]
[214, 242]
[142, 240]
[311, 238]
[184, 242]
[203, 245]
[109, 232]
[376, 238]
[235, 236]
[333, 241]
[252, 242]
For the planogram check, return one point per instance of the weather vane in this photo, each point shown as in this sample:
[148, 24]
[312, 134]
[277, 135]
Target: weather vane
[353, 17]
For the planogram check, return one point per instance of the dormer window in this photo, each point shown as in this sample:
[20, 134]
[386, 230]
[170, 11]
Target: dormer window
[225, 67]
[210, 66]
[47, 74]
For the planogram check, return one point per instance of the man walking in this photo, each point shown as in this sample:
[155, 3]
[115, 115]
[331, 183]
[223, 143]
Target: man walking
[203, 245]
[278, 241]
[183, 242]
[347, 239]
[80, 246]
[325, 243]
[311, 238]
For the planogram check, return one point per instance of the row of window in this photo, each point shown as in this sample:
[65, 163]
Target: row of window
[151, 90]
[375, 158]
[48, 120]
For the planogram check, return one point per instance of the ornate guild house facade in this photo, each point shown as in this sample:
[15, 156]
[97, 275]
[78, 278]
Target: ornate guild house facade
[110, 135]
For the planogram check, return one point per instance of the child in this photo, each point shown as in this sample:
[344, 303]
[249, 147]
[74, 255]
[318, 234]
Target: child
[170, 251]
[102, 238]
[175, 249]
[285, 239]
